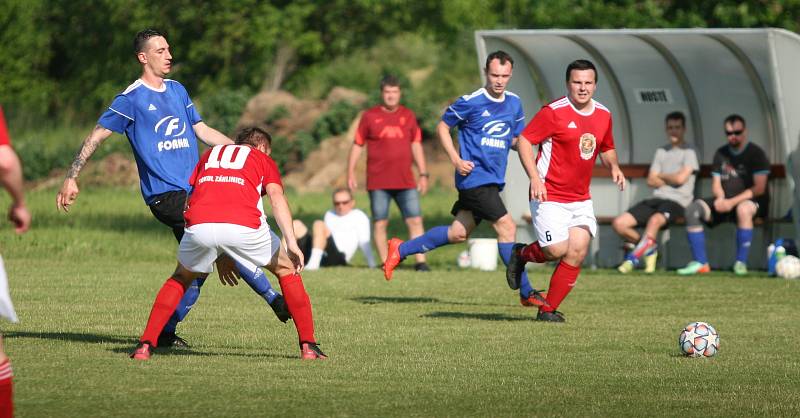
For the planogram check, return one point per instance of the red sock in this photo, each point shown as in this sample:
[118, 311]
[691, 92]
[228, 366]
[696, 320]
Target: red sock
[561, 283]
[166, 301]
[299, 306]
[6, 390]
[533, 252]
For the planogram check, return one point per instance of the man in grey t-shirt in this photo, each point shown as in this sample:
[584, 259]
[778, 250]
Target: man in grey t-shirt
[672, 176]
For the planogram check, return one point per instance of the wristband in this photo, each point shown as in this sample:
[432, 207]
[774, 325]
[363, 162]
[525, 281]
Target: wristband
[424, 175]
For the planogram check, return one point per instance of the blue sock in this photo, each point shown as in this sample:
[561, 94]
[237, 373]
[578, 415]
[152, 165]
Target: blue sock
[743, 239]
[186, 304]
[257, 281]
[697, 241]
[432, 238]
[504, 248]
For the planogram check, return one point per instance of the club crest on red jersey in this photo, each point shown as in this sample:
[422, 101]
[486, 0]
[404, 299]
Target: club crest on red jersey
[587, 145]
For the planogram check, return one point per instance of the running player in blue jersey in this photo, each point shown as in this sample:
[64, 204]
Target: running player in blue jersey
[489, 122]
[163, 126]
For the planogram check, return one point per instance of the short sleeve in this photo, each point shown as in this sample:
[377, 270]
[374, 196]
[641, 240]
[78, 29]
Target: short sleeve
[457, 113]
[5, 139]
[760, 162]
[362, 130]
[716, 165]
[273, 175]
[416, 132]
[541, 126]
[655, 166]
[199, 167]
[191, 110]
[691, 159]
[608, 139]
[519, 120]
[119, 116]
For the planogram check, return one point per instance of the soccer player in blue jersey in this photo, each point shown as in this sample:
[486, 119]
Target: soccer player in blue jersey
[489, 122]
[163, 126]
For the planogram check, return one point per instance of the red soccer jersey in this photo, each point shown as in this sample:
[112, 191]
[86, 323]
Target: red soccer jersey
[228, 183]
[4, 138]
[569, 142]
[388, 136]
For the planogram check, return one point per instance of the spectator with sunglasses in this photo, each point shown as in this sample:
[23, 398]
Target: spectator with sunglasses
[739, 183]
[334, 240]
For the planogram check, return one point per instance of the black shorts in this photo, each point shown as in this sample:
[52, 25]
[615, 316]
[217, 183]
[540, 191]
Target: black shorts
[643, 210]
[331, 255]
[168, 209]
[718, 218]
[483, 201]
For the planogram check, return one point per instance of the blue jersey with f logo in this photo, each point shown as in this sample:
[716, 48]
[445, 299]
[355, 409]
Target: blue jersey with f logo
[486, 129]
[159, 127]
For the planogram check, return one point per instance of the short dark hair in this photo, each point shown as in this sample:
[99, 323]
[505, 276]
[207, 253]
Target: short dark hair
[342, 190]
[581, 65]
[253, 136]
[676, 115]
[390, 80]
[142, 37]
[734, 118]
[501, 56]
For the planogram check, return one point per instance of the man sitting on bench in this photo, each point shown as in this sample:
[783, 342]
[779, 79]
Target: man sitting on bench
[739, 183]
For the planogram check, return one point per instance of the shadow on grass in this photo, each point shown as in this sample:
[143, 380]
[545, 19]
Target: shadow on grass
[72, 336]
[374, 300]
[481, 316]
[178, 352]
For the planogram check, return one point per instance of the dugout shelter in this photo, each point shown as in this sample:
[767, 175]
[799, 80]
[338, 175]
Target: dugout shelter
[643, 74]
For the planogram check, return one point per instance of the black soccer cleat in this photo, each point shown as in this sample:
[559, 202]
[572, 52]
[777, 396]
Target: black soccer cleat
[278, 306]
[550, 316]
[169, 339]
[515, 267]
[422, 267]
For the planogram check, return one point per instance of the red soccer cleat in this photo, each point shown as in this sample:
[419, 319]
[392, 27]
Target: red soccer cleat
[392, 258]
[142, 352]
[535, 299]
[311, 351]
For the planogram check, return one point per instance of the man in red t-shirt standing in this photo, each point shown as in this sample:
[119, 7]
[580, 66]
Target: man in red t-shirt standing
[393, 141]
[571, 132]
[225, 214]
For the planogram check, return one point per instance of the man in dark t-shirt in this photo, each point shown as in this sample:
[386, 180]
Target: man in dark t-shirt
[739, 184]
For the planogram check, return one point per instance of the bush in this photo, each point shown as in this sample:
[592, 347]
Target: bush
[223, 109]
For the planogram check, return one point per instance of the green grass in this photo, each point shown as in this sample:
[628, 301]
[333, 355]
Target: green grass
[447, 343]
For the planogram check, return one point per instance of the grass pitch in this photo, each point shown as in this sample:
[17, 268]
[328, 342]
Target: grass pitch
[447, 343]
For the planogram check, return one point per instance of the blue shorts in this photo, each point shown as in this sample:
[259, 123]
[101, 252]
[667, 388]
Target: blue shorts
[407, 200]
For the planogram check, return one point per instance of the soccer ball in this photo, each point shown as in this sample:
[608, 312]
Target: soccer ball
[699, 339]
[788, 267]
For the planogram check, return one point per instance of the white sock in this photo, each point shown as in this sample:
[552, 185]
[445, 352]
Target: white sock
[314, 259]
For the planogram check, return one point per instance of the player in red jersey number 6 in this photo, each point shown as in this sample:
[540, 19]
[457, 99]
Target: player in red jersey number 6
[225, 214]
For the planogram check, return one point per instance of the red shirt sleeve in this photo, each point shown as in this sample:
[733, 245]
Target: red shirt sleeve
[199, 168]
[608, 139]
[541, 126]
[362, 131]
[272, 174]
[416, 132]
[4, 138]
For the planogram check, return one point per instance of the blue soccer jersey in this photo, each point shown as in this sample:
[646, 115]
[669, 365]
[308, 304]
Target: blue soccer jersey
[486, 130]
[159, 127]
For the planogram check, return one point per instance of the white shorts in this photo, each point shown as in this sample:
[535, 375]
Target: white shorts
[203, 243]
[552, 220]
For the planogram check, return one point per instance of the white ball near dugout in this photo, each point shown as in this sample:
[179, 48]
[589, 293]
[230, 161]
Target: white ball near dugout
[788, 267]
[699, 339]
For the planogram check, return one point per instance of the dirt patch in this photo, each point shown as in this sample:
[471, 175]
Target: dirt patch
[114, 170]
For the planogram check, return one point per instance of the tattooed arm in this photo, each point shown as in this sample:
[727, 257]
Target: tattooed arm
[69, 190]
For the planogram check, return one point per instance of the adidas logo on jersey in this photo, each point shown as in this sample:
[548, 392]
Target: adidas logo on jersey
[486, 113]
[572, 125]
[151, 107]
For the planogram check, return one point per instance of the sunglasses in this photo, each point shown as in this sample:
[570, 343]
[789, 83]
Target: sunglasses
[736, 132]
[343, 202]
